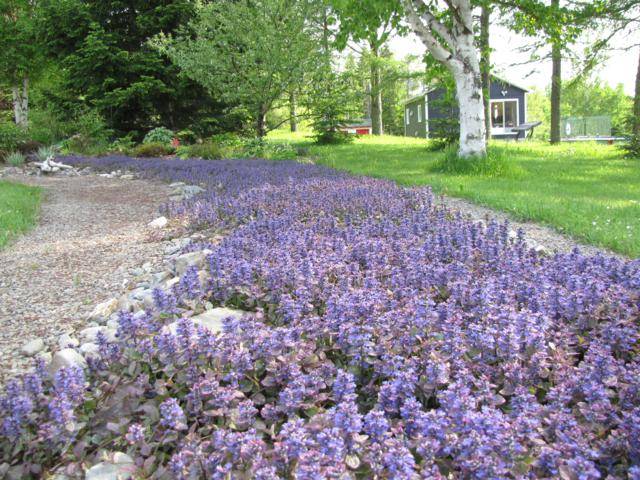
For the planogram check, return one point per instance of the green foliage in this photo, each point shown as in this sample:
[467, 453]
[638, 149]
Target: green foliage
[123, 145]
[159, 135]
[153, 150]
[20, 52]
[246, 53]
[631, 149]
[108, 65]
[44, 153]
[18, 209]
[327, 135]
[495, 164]
[208, 150]
[10, 136]
[15, 159]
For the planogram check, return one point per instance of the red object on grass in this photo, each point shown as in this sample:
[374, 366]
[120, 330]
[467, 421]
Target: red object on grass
[175, 143]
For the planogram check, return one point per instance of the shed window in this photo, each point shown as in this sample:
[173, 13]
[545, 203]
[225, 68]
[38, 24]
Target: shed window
[504, 114]
[407, 114]
[419, 113]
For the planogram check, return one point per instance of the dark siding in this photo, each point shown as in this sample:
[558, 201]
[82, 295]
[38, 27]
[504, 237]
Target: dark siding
[415, 128]
[443, 116]
[511, 91]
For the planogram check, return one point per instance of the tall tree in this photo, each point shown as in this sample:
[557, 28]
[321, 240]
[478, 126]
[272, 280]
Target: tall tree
[248, 53]
[448, 34]
[371, 22]
[485, 65]
[556, 83]
[19, 53]
[103, 47]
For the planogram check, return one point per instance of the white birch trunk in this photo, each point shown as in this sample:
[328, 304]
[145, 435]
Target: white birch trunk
[473, 139]
[21, 103]
[454, 46]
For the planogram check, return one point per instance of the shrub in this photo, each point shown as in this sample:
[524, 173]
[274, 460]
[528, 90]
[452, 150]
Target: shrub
[333, 137]
[632, 147]
[124, 145]
[159, 135]
[15, 159]
[153, 150]
[206, 150]
[11, 135]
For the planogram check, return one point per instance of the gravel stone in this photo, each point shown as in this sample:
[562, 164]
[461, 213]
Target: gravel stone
[66, 358]
[90, 232]
[34, 346]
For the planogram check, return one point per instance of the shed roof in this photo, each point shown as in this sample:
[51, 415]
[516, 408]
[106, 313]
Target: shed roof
[496, 77]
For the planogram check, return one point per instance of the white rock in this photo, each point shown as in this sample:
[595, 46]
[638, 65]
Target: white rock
[90, 334]
[120, 468]
[34, 346]
[127, 176]
[90, 349]
[211, 319]
[176, 184]
[103, 310]
[65, 341]
[66, 358]
[159, 222]
[191, 190]
[45, 356]
[186, 260]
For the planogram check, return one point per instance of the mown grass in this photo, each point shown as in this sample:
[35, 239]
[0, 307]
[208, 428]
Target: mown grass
[586, 190]
[19, 206]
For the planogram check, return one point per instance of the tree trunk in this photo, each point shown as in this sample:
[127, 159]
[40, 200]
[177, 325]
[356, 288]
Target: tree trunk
[636, 106]
[21, 103]
[460, 55]
[556, 85]
[261, 122]
[485, 66]
[376, 92]
[473, 138]
[293, 120]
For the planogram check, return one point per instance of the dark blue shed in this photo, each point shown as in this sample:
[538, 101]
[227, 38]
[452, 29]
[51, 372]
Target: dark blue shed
[435, 113]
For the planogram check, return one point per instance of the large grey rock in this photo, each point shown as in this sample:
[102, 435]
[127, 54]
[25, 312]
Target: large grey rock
[104, 310]
[211, 319]
[121, 467]
[189, 191]
[34, 346]
[186, 260]
[66, 358]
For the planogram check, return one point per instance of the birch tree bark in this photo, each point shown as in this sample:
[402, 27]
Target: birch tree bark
[485, 66]
[21, 103]
[455, 47]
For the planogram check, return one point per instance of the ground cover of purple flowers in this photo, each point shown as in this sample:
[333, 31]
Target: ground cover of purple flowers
[393, 339]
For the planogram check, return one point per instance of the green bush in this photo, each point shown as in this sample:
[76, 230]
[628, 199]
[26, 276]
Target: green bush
[90, 135]
[333, 137]
[159, 135]
[207, 150]
[124, 145]
[15, 159]
[153, 150]
[29, 146]
[11, 135]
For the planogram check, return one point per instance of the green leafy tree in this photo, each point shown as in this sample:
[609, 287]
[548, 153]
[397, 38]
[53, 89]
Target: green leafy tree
[109, 66]
[248, 53]
[371, 22]
[20, 55]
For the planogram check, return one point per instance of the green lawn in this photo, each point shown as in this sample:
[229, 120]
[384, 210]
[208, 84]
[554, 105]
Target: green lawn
[18, 209]
[584, 189]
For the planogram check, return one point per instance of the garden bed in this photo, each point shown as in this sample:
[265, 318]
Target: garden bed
[391, 337]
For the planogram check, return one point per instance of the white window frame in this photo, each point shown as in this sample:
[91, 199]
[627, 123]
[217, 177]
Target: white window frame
[503, 130]
[407, 114]
[426, 116]
[419, 113]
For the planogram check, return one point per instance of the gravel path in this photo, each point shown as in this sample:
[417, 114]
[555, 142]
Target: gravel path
[536, 234]
[91, 232]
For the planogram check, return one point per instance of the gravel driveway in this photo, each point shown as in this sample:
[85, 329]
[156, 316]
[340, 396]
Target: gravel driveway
[91, 232]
